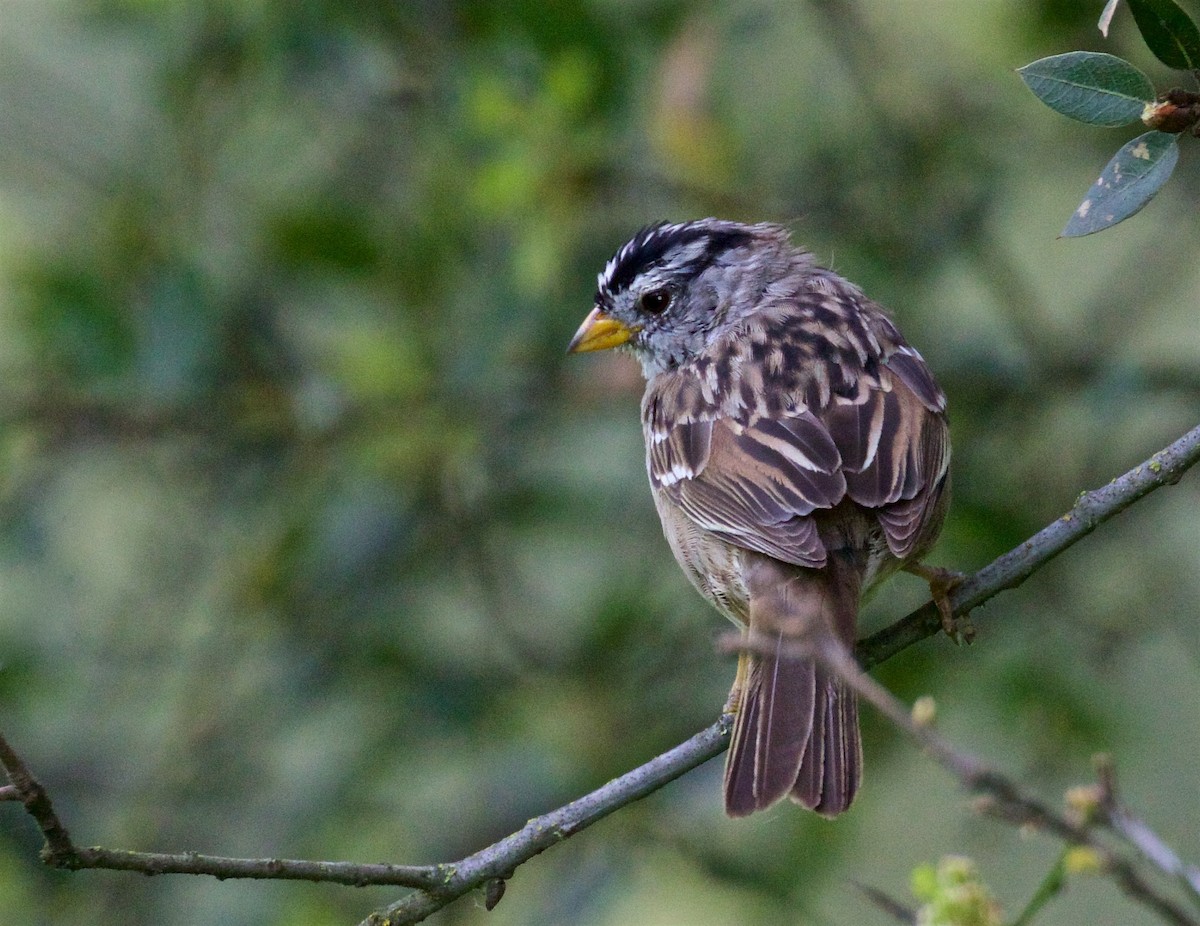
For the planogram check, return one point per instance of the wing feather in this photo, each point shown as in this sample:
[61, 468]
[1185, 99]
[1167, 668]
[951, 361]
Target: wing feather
[756, 480]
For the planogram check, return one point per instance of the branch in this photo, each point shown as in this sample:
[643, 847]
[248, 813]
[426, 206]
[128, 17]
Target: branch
[1002, 797]
[1137, 833]
[438, 885]
[498, 861]
[1090, 510]
[352, 874]
[37, 803]
[60, 852]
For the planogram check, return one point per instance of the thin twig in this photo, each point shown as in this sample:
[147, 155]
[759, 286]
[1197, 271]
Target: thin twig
[58, 846]
[500, 859]
[1151, 847]
[1003, 798]
[1138, 834]
[61, 852]
[888, 904]
[1090, 510]
[353, 874]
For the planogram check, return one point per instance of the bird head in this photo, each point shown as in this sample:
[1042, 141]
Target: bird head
[672, 288]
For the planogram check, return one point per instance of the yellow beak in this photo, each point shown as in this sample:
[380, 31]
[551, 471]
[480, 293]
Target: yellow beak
[599, 332]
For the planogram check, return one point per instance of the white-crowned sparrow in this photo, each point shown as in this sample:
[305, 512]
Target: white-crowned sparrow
[798, 454]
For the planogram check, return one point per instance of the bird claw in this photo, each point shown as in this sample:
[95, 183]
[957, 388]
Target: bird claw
[942, 582]
[959, 629]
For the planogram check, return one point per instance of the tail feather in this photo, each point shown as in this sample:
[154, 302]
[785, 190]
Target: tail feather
[796, 733]
[770, 734]
[842, 766]
[810, 782]
[739, 763]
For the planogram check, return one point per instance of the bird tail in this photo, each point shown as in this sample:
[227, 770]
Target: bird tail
[796, 732]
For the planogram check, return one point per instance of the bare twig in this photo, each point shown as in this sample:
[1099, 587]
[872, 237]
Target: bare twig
[436, 885]
[1090, 510]
[1137, 833]
[37, 802]
[1002, 797]
[352, 874]
[61, 852]
[888, 904]
[500, 859]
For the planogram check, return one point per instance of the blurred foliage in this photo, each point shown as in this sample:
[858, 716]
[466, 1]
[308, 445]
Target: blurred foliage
[952, 894]
[314, 543]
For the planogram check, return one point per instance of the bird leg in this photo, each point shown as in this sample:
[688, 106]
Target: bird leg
[734, 702]
[942, 582]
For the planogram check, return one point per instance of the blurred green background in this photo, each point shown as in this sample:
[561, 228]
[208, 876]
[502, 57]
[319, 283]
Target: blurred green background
[313, 542]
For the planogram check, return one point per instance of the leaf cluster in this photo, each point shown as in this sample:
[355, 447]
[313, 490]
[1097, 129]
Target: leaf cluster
[1101, 89]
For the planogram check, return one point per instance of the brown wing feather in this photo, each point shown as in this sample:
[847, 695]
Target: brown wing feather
[755, 482]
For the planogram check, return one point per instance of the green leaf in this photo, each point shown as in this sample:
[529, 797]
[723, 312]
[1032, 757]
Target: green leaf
[1089, 86]
[1169, 32]
[1128, 182]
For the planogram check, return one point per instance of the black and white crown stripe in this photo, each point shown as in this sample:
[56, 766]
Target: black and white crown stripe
[691, 246]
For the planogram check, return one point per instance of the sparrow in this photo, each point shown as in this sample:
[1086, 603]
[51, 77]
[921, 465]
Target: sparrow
[798, 454]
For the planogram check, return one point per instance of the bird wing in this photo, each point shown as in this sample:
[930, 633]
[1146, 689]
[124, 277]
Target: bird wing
[756, 480]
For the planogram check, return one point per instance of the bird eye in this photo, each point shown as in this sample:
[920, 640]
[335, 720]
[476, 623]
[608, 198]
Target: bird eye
[655, 301]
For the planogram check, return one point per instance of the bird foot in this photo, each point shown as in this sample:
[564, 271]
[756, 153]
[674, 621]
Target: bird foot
[734, 702]
[942, 582]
